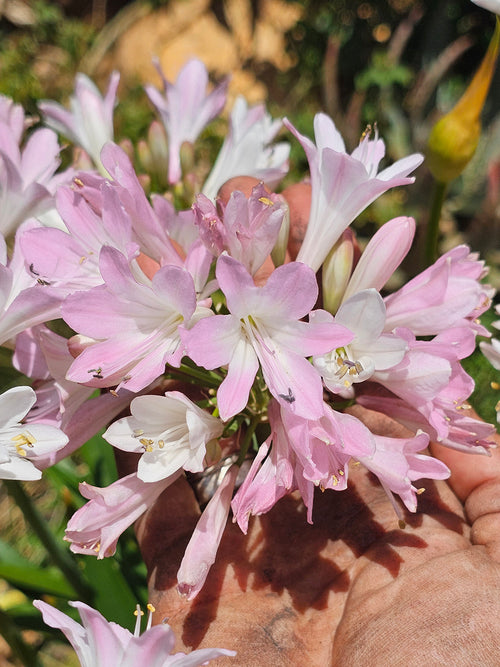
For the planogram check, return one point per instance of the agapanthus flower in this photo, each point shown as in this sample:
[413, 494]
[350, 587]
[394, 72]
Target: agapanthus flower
[101, 643]
[247, 229]
[185, 108]
[18, 441]
[25, 298]
[343, 185]
[27, 174]
[43, 356]
[94, 529]
[397, 463]
[135, 324]
[371, 349]
[70, 260]
[201, 550]
[171, 432]
[89, 122]
[247, 149]
[264, 325]
[304, 454]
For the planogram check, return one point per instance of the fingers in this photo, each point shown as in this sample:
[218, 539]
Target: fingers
[476, 481]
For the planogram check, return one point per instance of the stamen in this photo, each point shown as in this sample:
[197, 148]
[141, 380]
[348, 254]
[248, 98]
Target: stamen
[266, 200]
[151, 609]
[138, 613]
[23, 440]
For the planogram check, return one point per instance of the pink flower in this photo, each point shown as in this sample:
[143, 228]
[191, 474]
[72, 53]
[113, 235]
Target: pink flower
[25, 300]
[27, 176]
[264, 326]
[171, 432]
[95, 528]
[343, 185]
[305, 454]
[70, 260]
[447, 294]
[201, 550]
[100, 643]
[247, 149]
[136, 325]
[246, 228]
[89, 124]
[185, 109]
[383, 254]
[397, 464]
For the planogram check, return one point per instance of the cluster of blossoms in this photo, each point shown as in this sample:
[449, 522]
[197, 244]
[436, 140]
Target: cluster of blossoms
[214, 301]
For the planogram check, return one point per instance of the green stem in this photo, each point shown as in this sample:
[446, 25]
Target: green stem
[207, 378]
[254, 422]
[40, 527]
[432, 235]
[12, 635]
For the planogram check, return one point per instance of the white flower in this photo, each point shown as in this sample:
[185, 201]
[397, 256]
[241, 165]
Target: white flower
[371, 349]
[19, 442]
[170, 431]
[247, 149]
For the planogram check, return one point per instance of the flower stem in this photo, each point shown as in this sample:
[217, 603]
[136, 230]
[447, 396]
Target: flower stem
[206, 378]
[254, 422]
[432, 235]
[60, 557]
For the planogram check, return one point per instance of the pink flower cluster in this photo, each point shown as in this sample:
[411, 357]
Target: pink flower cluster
[157, 294]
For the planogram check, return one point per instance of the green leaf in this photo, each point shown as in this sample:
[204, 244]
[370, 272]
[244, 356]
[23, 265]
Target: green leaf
[45, 581]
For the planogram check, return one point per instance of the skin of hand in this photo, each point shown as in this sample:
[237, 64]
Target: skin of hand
[352, 589]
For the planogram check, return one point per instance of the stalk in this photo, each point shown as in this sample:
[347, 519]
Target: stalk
[432, 233]
[60, 557]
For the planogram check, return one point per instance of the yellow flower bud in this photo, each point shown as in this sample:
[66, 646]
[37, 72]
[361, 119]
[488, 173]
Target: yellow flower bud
[454, 138]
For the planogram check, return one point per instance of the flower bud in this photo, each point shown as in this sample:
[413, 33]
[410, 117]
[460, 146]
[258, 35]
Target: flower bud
[454, 138]
[337, 269]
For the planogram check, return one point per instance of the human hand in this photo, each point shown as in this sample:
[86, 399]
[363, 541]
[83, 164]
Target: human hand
[353, 588]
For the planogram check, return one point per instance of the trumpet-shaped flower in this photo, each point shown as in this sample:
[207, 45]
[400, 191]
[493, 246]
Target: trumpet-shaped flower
[343, 185]
[370, 350]
[171, 432]
[100, 643]
[25, 300]
[448, 294]
[94, 529]
[264, 326]
[397, 463]
[136, 325]
[70, 260]
[43, 356]
[185, 109]
[27, 176]
[89, 122]
[246, 228]
[19, 442]
[247, 149]
[201, 551]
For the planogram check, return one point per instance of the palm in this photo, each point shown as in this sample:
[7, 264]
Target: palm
[352, 589]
